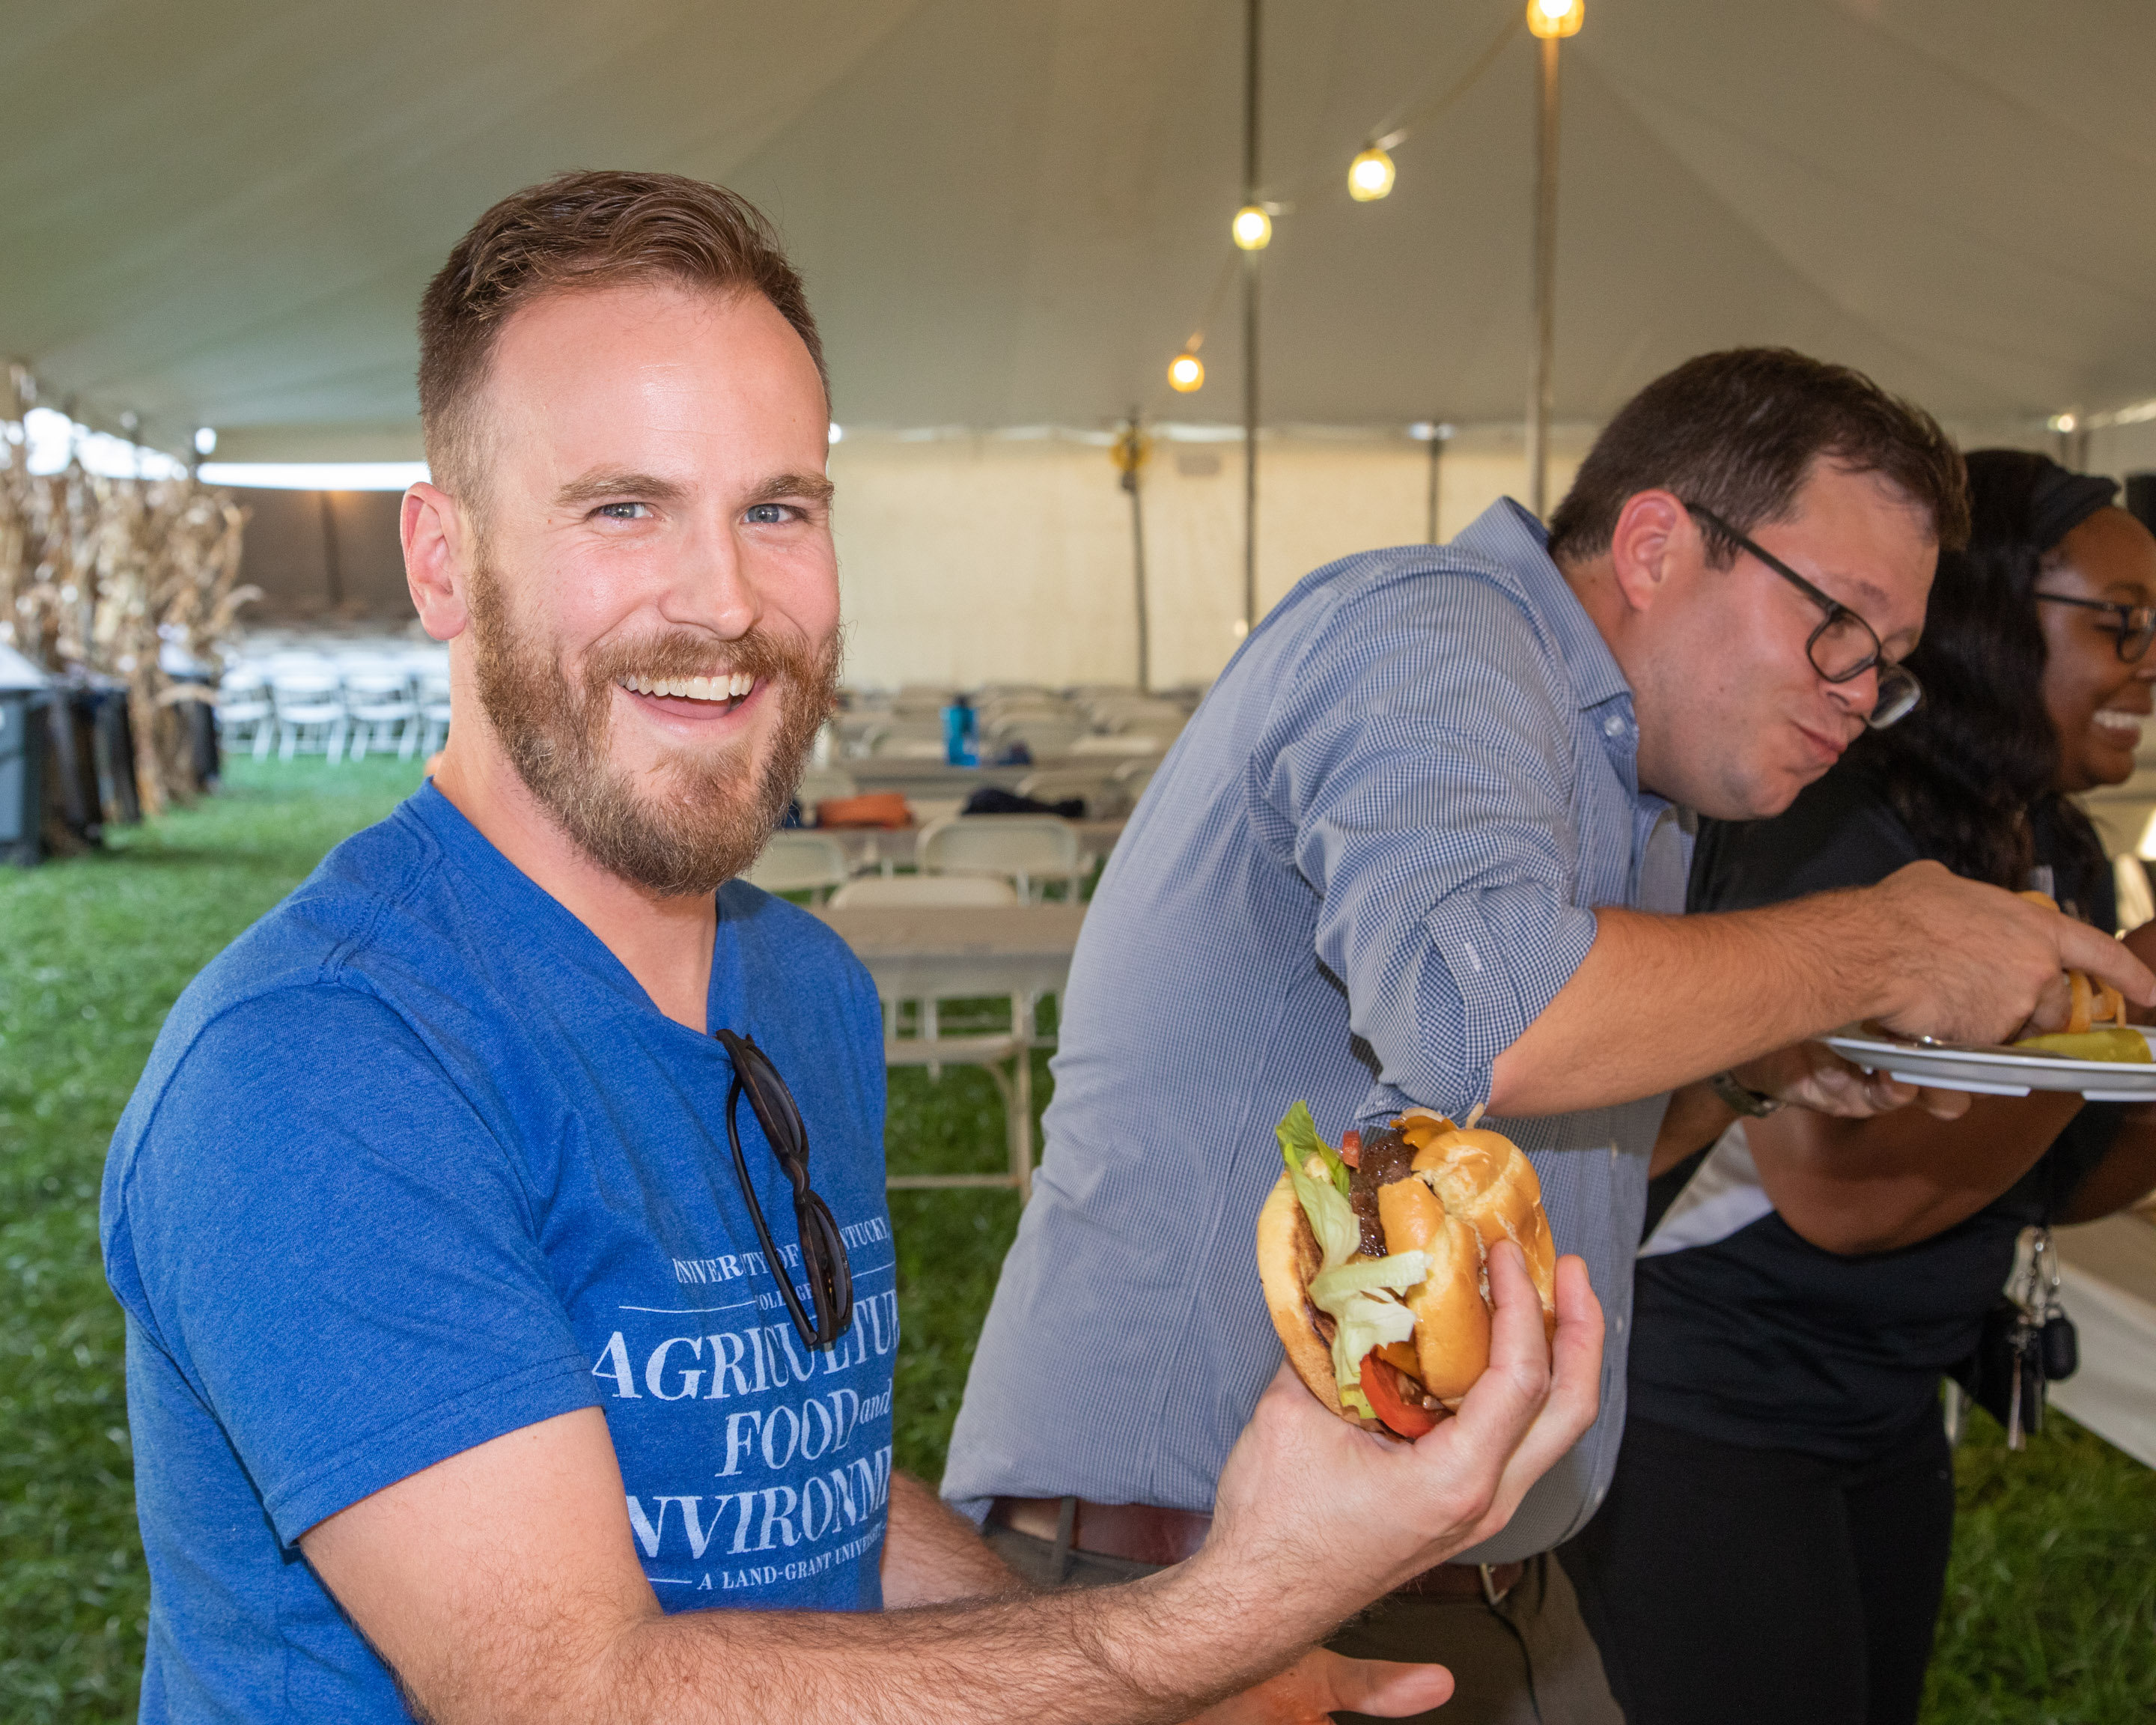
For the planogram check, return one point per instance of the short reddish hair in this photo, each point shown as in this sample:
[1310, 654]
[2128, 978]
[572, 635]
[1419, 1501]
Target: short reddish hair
[587, 229]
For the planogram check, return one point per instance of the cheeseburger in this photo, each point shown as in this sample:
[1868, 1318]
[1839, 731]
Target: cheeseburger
[1374, 1256]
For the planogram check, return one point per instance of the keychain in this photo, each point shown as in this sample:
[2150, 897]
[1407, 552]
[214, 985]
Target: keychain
[2042, 1347]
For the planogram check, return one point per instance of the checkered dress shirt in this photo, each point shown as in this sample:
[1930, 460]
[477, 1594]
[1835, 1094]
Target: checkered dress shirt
[1367, 864]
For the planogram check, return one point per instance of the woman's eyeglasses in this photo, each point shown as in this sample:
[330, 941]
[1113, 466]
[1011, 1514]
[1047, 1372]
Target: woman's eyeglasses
[823, 1253]
[2132, 628]
[1844, 646]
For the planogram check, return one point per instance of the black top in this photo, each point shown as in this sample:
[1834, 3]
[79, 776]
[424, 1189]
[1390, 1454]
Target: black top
[1762, 1339]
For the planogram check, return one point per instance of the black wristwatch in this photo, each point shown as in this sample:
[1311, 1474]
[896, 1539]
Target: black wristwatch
[1742, 1098]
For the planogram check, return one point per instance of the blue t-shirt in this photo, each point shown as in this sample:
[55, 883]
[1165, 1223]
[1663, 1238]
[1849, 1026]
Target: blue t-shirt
[416, 1163]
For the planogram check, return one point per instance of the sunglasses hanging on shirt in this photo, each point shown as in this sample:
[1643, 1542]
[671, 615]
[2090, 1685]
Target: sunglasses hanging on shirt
[823, 1253]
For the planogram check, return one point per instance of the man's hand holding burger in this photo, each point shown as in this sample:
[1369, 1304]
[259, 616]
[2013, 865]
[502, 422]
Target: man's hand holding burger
[1314, 1517]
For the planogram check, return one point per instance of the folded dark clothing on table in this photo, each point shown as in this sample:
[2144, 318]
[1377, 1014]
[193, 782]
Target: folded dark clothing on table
[989, 800]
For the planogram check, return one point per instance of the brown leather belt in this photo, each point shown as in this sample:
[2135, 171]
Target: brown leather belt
[1143, 1533]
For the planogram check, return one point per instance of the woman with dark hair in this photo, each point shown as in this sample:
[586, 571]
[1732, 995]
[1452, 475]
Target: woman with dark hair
[1774, 1545]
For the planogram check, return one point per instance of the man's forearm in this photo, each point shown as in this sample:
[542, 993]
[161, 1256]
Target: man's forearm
[932, 1555]
[1661, 1002]
[1148, 1653]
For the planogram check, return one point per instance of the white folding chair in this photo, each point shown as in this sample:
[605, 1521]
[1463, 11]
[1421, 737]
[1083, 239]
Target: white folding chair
[245, 715]
[310, 717]
[379, 707]
[931, 1049]
[799, 861]
[1027, 850]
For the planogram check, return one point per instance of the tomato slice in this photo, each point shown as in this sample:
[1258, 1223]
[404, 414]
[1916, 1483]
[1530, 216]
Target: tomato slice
[1399, 1415]
[1351, 1148]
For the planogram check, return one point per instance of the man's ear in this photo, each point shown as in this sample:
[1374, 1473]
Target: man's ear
[436, 540]
[1651, 545]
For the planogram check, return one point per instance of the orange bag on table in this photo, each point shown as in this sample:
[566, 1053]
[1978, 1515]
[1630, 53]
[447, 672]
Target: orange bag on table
[877, 808]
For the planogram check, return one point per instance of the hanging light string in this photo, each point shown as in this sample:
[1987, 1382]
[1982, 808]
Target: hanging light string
[1370, 176]
[1395, 131]
[1186, 372]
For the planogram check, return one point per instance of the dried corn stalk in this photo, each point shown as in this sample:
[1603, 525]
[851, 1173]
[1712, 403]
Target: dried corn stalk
[97, 574]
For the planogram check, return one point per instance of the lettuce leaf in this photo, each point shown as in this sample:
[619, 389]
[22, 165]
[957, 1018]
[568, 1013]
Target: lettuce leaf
[1356, 1402]
[1300, 1141]
[1339, 1235]
[1366, 1320]
[1396, 1275]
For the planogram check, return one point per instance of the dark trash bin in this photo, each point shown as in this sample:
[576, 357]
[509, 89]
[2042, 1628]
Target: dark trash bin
[201, 718]
[114, 728]
[72, 797]
[24, 694]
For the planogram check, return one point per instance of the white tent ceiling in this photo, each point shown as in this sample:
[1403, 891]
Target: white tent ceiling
[1013, 211]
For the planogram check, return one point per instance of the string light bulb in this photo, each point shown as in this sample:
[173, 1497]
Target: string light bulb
[1370, 176]
[1546, 19]
[1252, 227]
[1186, 372]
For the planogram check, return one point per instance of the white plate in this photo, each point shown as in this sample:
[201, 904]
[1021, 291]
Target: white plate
[1994, 1071]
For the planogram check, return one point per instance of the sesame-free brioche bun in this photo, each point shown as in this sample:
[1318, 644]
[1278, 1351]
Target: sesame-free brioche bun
[1467, 1189]
[1483, 1179]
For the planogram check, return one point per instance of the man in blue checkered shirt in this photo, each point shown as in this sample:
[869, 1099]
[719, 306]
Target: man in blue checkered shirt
[1426, 842]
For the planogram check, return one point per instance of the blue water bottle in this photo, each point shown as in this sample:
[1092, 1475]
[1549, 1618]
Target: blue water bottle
[961, 747]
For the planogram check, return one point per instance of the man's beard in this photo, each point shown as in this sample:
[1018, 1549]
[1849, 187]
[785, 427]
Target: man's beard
[695, 824]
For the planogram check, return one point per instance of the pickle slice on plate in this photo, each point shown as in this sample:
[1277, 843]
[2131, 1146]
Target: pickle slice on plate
[2121, 1047]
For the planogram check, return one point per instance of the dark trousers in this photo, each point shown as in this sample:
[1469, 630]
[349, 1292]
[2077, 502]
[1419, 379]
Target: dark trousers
[1724, 1583]
[1526, 1660]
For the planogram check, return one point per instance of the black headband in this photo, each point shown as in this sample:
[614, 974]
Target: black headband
[2062, 501]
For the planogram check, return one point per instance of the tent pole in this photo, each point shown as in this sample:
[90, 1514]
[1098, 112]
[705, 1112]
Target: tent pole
[1250, 441]
[1539, 385]
[332, 565]
[1133, 443]
[1251, 323]
[1436, 452]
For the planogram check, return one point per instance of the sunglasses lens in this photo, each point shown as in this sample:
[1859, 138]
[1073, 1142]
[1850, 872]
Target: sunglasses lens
[774, 1106]
[830, 1277]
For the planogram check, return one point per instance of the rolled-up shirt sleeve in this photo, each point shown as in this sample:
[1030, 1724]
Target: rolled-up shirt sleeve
[1422, 784]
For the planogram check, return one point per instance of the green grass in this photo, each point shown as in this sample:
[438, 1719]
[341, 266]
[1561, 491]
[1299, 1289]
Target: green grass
[2051, 1610]
[2050, 1615]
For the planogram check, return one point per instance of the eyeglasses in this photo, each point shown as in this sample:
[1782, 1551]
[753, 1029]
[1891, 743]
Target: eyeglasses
[823, 1253]
[2134, 625]
[1844, 646]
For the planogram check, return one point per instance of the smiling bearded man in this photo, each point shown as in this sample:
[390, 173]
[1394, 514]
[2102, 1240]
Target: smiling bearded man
[481, 1344]
[701, 821]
